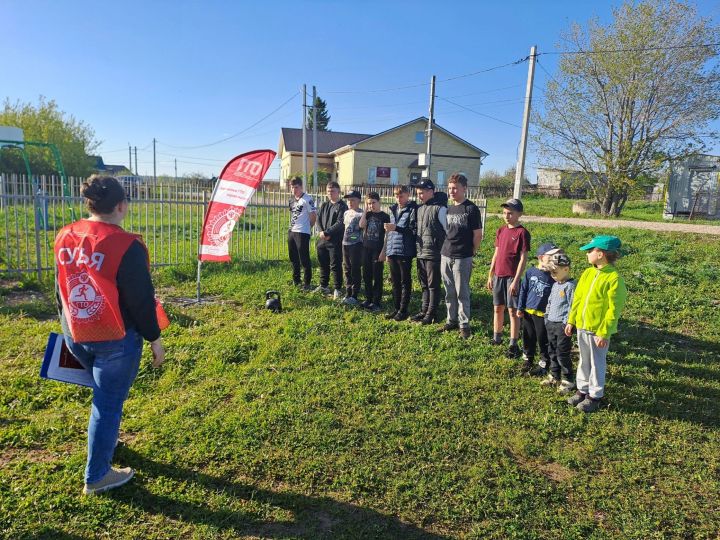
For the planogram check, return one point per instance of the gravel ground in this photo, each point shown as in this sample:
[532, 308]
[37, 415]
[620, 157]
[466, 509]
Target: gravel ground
[620, 223]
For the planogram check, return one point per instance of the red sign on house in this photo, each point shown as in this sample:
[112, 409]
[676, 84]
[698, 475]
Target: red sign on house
[383, 172]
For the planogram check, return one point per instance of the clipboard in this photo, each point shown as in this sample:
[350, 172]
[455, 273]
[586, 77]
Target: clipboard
[59, 364]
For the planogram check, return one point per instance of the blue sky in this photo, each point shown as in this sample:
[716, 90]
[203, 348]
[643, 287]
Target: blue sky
[192, 73]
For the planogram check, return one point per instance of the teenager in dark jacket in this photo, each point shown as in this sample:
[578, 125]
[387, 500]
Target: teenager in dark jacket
[431, 231]
[400, 249]
[329, 244]
[373, 225]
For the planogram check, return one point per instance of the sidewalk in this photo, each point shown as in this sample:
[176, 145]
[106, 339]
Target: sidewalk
[629, 224]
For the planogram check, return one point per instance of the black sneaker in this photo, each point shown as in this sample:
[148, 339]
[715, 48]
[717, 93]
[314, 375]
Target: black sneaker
[538, 371]
[401, 316]
[374, 308]
[429, 319]
[392, 314]
[365, 304]
[418, 316]
[447, 327]
[465, 333]
[495, 342]
[578, 398]
[513, 352]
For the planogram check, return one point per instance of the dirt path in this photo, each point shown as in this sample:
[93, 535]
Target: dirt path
[623, 223]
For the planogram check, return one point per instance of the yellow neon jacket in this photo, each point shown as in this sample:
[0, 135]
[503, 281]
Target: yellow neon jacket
[599, 299]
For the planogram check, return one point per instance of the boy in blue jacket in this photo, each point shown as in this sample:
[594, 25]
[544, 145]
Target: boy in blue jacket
[532, 300]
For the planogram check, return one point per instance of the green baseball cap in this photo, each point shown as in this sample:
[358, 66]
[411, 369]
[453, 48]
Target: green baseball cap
[604, 242]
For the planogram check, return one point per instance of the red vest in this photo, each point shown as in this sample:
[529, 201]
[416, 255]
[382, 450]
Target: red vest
[88, 255]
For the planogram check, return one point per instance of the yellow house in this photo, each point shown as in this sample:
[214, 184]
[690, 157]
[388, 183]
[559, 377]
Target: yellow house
[388, 158]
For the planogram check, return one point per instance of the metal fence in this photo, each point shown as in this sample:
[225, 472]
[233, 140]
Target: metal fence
[169, 216]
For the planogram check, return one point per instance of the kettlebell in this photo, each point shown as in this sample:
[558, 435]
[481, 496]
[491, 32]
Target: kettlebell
[272, 301]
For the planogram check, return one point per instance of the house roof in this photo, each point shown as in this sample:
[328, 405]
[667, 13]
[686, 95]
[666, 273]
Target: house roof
[100, 165]
[483, 153]
[327, 141]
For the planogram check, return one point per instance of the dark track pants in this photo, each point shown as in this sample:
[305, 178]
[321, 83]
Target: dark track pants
[299, 251]
[559, 347]
[534, 337]
[330, 259]
[429, 275]
[401, 277]
[352, 263]
[373, 275]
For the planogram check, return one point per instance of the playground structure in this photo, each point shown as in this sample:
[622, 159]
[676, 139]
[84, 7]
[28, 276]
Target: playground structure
[694, 188]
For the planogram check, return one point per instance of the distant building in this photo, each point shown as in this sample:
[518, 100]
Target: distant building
[694, 188]
[99, 166]
[560, 182]
[387, 158]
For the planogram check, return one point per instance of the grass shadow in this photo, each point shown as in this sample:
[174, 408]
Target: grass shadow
[313, 517]
[679, 387]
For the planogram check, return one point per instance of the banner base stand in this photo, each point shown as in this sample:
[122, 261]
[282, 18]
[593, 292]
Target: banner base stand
[193, 301]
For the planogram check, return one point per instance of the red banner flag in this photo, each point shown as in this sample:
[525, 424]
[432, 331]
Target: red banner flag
[235, 187]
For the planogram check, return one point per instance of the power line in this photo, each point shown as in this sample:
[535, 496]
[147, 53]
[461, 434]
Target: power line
[405, 87]
[479, 113]
[639, 49]
[239, 132]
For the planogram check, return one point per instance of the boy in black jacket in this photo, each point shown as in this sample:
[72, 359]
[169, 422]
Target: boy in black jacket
[431, 231]
[373, 225]
[329, 244]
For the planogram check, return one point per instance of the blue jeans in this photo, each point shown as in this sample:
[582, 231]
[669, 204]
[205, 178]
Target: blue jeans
[114, 367]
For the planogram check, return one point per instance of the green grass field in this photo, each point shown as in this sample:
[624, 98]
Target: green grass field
[326, 422]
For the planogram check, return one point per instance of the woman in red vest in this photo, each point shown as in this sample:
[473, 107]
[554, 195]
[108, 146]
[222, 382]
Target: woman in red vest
[107, 307]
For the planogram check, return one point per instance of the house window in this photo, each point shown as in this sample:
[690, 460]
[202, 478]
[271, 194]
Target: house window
[441, 178]
[419, 137]
[371, 175]
[394, 176]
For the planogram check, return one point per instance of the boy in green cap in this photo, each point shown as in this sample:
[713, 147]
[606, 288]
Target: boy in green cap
[597, 304]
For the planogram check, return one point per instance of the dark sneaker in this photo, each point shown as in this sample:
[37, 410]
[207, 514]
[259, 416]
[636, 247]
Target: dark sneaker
[374, 308]
[428, 319]
[588, 405]
[495, 342]
[401, 316]
[513, 352]
[465, 333]
[112, 479]
[418, 316]
[578, 398]
[392, 314]
[365, 304]
[350, 301]
[447, 327]
[538, 371]
[307, 288]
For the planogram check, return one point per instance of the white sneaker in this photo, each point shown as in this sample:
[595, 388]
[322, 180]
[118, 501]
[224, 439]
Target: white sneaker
[319, 289]
[337, 294]
[566, 387]
[549, 381]
[112, 479]
[350, 301]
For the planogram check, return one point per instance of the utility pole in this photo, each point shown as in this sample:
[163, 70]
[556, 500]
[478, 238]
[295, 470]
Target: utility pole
[431, 121]
[130, 157]
[154, 163]
[520, 168]
[304, 133]
[314, 119]
[136, 169]
[176, 170]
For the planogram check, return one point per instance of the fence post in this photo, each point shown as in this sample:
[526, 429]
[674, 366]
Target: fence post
[36, 203]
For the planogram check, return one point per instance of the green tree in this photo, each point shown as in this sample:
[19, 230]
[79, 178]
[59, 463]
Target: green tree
[45, 122]
[493, 179]
[641, 92]
[323, 118]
